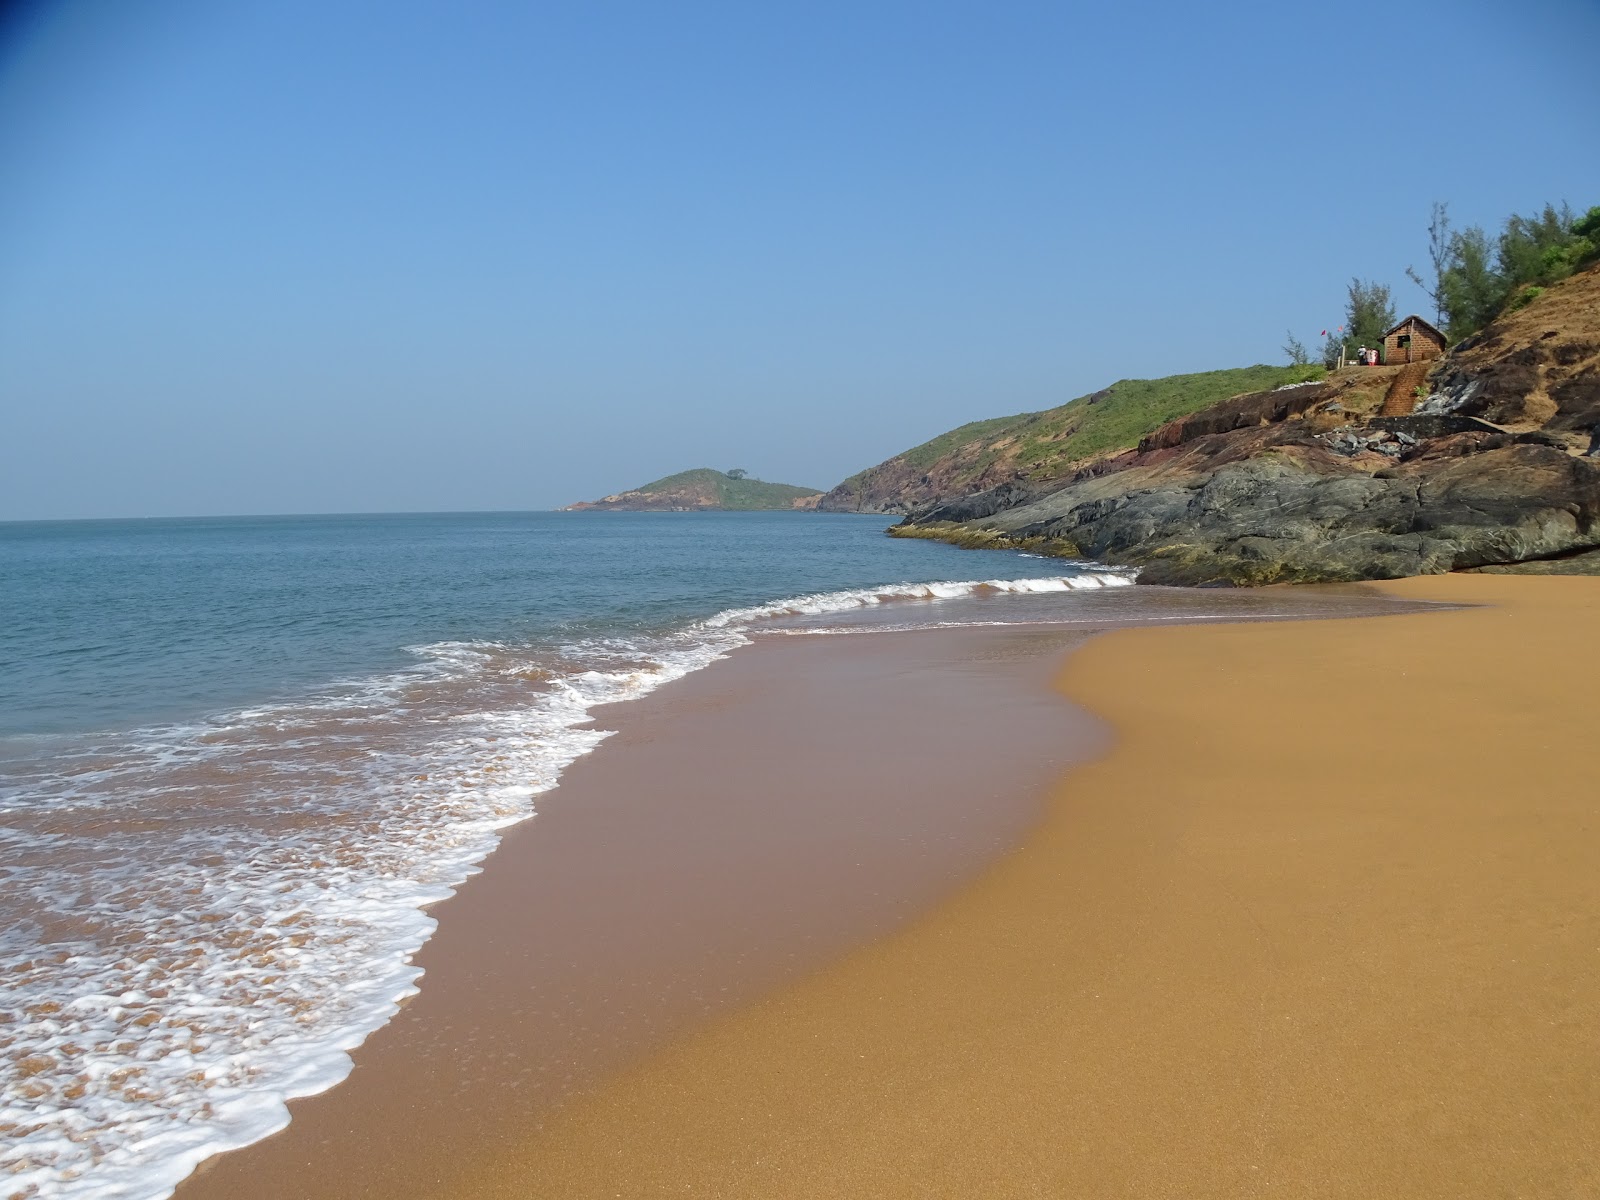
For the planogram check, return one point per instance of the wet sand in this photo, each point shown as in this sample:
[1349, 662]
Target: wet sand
[1326, 922]
[744, 826]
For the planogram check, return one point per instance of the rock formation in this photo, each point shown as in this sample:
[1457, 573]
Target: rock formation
[1312, 484]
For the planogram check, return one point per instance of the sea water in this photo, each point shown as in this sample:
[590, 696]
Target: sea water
[240, 757]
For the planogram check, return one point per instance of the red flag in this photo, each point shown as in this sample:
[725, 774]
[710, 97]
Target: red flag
[1324, 333]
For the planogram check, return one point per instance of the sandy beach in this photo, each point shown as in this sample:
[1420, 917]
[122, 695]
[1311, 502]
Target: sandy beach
[743, 827]
[1319, 919]
[1325, 923]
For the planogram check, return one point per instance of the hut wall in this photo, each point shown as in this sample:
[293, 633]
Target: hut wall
[1423, 346]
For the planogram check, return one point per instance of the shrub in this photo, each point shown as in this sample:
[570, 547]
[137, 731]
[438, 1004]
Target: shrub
[1525, 297]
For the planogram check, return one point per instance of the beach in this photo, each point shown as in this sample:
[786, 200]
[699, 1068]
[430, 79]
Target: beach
[232, 800]
[1319, 918]
[743, 827]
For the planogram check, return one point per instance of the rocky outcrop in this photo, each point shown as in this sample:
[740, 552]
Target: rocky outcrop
[1585, 562]
[1040, 448]
[1293, 514]
[1239, 412]
[1307, 487]
[1538, 367]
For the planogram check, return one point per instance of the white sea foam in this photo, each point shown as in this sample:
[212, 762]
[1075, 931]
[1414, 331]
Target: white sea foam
[216, 915]
[832, 602]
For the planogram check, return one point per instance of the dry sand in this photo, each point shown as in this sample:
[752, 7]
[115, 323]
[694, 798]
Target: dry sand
[1325, 923]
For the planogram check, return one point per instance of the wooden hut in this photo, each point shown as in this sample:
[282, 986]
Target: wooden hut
[1413, 340]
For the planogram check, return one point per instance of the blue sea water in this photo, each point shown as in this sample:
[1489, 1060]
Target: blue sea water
[107, 623]
[239, 757]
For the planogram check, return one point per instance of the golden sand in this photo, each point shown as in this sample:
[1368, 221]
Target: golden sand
[1325, 923]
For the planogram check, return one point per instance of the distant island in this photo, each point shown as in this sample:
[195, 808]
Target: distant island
[706, 490]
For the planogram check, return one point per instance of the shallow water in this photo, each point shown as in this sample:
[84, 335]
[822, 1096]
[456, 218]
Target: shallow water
[239, 759]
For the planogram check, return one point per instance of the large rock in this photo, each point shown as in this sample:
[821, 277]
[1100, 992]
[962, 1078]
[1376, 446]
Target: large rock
[1299, 514]
[1584, 563]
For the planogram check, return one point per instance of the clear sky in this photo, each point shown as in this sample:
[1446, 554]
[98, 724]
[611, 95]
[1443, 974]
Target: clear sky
[267, 256]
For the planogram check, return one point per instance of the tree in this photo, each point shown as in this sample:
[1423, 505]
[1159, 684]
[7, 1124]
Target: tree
[1587, 230]
[1587, 227]
[1476, 277]
[1296, 350]
[737, 473]
[1472, 290]
[1438, 255]
[1369, 313]
[1332, 349]
[1538, 250]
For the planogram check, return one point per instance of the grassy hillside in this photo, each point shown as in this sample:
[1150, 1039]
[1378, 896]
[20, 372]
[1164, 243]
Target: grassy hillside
[1044, 445]
[705, 488]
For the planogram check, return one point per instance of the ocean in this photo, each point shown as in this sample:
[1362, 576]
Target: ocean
[240, 757]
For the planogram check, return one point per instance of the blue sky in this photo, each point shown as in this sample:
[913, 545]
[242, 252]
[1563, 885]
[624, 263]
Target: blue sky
[307, 257]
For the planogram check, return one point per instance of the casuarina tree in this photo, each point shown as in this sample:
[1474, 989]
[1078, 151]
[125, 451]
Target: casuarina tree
[1440, 256]
[1368, 313]
[1296, 351]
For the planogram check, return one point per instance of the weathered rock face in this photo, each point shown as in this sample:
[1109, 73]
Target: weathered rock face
[1297, 489]
[1577, 401]
[1538, 366]
[1292, 515]
[1583, 563]
[1241, 412]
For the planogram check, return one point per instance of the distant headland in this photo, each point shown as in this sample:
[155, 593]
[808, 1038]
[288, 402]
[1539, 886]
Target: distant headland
[706, 490]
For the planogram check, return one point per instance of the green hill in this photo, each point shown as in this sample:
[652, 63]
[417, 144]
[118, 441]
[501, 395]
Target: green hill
[707, 490]
[1048, 444]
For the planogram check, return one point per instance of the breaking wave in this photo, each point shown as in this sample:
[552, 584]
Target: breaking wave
[201, 921]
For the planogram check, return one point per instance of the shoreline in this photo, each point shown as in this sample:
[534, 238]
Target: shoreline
[743, 826]
[1331, 931]
[522, 1013]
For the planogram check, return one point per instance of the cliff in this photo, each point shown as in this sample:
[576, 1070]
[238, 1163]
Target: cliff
[1042, 446]
[1350, 478]
[705, 490]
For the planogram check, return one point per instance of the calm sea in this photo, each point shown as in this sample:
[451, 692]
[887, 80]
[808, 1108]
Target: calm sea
[239, 757]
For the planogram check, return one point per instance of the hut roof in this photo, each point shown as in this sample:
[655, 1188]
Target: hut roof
[1413, 319]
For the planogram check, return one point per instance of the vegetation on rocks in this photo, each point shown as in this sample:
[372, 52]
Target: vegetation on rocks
[1476, 277]
[1048, 445]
